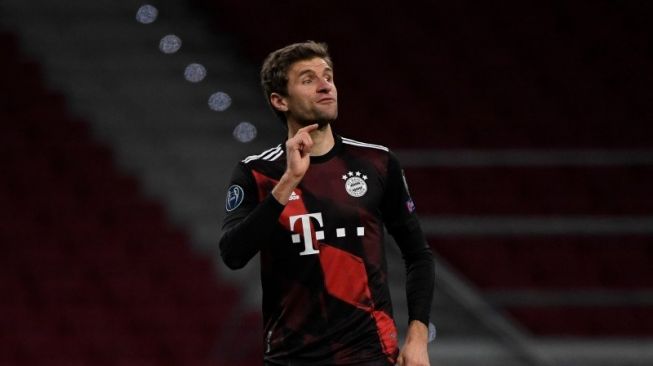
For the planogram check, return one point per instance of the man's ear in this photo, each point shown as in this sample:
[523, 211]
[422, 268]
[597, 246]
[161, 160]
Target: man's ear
[279, 102]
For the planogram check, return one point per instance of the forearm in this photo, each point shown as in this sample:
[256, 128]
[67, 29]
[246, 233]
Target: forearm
[240, 242]
[284, 188]
[420, 280]
[420, 271]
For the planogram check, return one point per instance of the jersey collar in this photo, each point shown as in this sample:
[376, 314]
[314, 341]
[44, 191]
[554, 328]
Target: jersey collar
[331, 153]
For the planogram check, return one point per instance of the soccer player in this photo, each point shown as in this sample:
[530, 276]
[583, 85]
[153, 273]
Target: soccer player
[315, 208]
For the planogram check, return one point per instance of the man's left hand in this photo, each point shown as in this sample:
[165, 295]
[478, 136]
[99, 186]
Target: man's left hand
[414, 352]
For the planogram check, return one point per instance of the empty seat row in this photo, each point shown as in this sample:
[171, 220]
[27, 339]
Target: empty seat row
[551, 262]
[532, 190]
[583, 321]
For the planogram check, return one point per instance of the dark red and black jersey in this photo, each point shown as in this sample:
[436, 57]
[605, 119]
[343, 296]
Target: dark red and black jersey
[323, 270]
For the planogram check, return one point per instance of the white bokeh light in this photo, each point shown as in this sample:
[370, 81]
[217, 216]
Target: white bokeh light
[219, 101]
[245, 132]
[432, 332]
[170, 44]
[147, 14]
[195, 73]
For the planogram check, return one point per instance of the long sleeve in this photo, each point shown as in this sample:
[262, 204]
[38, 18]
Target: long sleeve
[402, 223]
[248, 221]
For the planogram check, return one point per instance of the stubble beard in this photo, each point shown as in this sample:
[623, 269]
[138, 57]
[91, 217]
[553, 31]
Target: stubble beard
[322, 119]
[322, 123]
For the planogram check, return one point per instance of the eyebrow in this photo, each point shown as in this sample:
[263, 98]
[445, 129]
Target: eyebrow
[309, 71]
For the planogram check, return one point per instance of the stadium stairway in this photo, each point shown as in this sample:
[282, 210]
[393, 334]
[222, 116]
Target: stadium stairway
[161, 131]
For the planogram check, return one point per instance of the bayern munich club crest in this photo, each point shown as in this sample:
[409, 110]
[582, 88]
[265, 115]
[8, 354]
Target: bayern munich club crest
[355, 183]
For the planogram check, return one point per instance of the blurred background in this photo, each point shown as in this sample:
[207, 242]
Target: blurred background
[524, 128]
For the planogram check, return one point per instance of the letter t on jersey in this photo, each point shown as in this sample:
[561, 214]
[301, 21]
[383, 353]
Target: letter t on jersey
[309, 248]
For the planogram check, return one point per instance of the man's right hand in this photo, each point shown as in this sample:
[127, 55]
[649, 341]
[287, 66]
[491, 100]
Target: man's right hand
[298, 159]
[298, 151]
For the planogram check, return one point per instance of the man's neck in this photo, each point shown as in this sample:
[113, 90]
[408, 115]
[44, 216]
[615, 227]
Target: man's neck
[323, 140]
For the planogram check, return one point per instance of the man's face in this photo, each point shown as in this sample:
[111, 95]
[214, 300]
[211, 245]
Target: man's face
[312, 95]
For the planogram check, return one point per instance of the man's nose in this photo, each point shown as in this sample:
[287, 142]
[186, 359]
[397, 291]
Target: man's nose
[324, 86]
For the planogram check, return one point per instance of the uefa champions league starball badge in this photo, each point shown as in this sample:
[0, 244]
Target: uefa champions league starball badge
[355, 183]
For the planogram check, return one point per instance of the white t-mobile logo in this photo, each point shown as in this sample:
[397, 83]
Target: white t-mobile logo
[309, 248]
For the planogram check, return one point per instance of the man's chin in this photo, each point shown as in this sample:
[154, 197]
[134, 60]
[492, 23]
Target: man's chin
[322, 124]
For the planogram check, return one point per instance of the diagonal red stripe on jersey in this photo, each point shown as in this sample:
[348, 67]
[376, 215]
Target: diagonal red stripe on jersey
[345, 277]
[264, 184]
[385, 326]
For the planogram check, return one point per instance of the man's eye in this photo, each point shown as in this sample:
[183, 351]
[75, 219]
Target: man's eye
[307, 81]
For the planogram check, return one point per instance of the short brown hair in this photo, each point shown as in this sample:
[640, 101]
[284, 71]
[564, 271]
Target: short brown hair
[274, 72]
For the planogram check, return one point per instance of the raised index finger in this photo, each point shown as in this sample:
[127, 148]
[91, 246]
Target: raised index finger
[308, 129]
